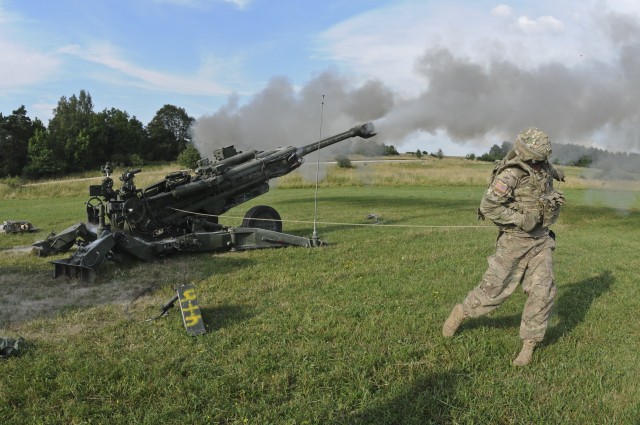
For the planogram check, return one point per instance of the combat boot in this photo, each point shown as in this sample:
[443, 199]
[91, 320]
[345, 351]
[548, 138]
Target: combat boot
[524, 358]
[453, 322]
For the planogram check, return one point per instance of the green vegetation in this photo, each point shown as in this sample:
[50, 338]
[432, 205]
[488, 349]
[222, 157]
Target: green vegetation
[344, 334]
[189, 158]
[343, 161]
[496, 152]
[78, 139]
[612, 165]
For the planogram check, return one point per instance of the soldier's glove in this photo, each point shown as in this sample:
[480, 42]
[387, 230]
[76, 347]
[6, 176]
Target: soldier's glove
[529, 220]
[553, 201]
[557, 174]
[550, 206]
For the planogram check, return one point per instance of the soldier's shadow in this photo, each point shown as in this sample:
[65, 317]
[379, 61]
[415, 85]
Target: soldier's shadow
[574, 302]
[216, 318]
[425, 401]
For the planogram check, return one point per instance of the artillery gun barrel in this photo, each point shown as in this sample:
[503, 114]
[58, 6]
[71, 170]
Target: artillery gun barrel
[235, 160]
[263, 166]
[365, 131]
[236, 179]
[189, 189]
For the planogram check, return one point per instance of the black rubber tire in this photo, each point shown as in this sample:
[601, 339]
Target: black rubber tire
[133, 210]
[93, 209]
[263, 217]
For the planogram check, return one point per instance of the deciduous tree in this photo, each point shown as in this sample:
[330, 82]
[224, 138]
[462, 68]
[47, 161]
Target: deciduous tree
[15, 132]
[169, 133]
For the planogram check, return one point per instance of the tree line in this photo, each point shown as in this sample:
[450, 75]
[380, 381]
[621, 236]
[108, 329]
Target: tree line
[78, 139]
[574, 155]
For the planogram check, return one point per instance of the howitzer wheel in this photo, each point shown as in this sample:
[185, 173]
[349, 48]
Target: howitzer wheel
[133, 210]
[263, 217]
[93, 210]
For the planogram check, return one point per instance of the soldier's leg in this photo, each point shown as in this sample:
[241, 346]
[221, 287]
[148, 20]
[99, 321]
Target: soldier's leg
[486, 297]
[540, 287]
[505, 272]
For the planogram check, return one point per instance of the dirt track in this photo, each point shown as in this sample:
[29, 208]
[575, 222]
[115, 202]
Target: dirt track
[39, 296]
[27, 294]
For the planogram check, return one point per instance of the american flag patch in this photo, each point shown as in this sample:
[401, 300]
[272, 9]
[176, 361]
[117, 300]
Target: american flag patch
[500, 187]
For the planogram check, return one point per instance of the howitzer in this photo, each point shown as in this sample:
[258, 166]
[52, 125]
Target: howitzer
[180, 212]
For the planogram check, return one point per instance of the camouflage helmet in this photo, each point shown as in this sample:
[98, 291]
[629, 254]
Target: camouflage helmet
[533, 144]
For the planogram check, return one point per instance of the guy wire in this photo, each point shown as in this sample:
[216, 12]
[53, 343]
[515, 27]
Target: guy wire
[378, 225]
[314, 238]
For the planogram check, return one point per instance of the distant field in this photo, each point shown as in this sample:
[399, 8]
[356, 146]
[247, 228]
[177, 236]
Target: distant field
[344, 334]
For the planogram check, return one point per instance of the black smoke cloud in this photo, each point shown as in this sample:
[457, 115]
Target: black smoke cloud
[590, 101]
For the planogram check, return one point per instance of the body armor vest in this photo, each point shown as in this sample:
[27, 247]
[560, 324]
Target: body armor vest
[534, 191]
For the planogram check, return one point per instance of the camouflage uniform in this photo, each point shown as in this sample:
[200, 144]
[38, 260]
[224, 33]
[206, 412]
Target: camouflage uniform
[522, 202]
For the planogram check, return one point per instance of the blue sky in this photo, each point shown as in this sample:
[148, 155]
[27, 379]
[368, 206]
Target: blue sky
[445, 74]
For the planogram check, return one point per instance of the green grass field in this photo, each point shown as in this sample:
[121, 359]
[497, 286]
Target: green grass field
[349, 333]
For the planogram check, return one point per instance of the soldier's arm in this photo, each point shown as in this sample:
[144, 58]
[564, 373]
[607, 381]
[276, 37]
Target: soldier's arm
[497, 196]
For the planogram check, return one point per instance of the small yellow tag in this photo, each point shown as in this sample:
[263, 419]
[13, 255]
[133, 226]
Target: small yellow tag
[191, 315]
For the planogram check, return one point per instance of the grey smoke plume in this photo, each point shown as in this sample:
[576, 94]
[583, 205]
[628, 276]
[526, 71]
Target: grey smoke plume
[590, 102]
[280, 116]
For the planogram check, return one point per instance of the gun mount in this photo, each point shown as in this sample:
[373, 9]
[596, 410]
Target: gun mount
[180, 212]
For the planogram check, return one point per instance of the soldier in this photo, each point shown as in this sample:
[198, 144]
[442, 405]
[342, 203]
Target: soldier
[522, 203]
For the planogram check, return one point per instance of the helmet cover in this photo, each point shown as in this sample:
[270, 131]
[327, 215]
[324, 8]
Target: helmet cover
[533, 144]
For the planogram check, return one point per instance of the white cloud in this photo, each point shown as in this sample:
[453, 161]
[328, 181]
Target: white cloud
[501, 10]
[106, 55]
[468, 52]
[383, 43]
[21, 66]
[386, 43]
[42, 110]
[241, 4]
[205, 4]
[541, 24]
